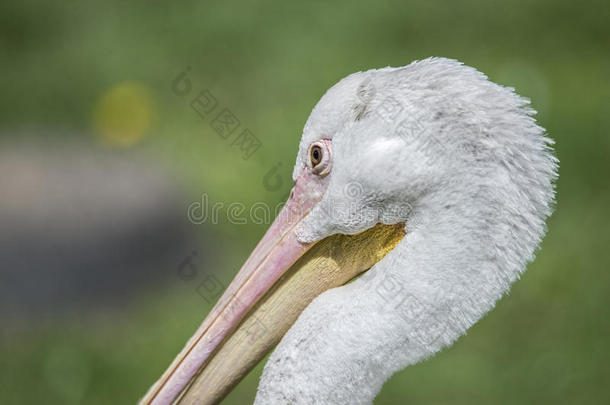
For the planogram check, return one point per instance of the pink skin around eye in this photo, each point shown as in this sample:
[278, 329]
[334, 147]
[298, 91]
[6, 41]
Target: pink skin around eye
[322, 168]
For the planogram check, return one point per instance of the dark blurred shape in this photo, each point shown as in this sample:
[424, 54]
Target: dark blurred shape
[80, 226]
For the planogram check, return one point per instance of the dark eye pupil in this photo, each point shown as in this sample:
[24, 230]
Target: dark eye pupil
[316, 155]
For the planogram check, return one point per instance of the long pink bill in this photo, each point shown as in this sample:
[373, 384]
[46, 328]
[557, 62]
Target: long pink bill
[275, 253]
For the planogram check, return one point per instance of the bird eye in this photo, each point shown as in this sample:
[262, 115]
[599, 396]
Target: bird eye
[316, 155]
[319, 157]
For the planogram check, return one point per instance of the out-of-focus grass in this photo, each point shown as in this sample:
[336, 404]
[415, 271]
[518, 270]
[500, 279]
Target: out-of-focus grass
[269, 63]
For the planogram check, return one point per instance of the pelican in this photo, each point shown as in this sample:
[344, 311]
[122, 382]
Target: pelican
[420, 195]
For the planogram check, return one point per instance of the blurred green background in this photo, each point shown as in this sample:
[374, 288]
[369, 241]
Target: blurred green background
[99, 75]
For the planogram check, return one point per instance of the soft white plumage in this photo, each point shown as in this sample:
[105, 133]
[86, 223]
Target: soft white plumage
[465, 166]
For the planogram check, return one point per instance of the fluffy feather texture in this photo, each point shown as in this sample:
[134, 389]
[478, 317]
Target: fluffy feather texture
[462, 162]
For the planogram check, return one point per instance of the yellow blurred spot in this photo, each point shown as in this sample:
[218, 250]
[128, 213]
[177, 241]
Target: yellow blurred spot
[123, 114]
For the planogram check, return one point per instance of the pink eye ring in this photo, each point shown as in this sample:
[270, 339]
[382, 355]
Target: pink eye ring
[319, 157]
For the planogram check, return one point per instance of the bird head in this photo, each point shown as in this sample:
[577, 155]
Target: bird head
[432, 150]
